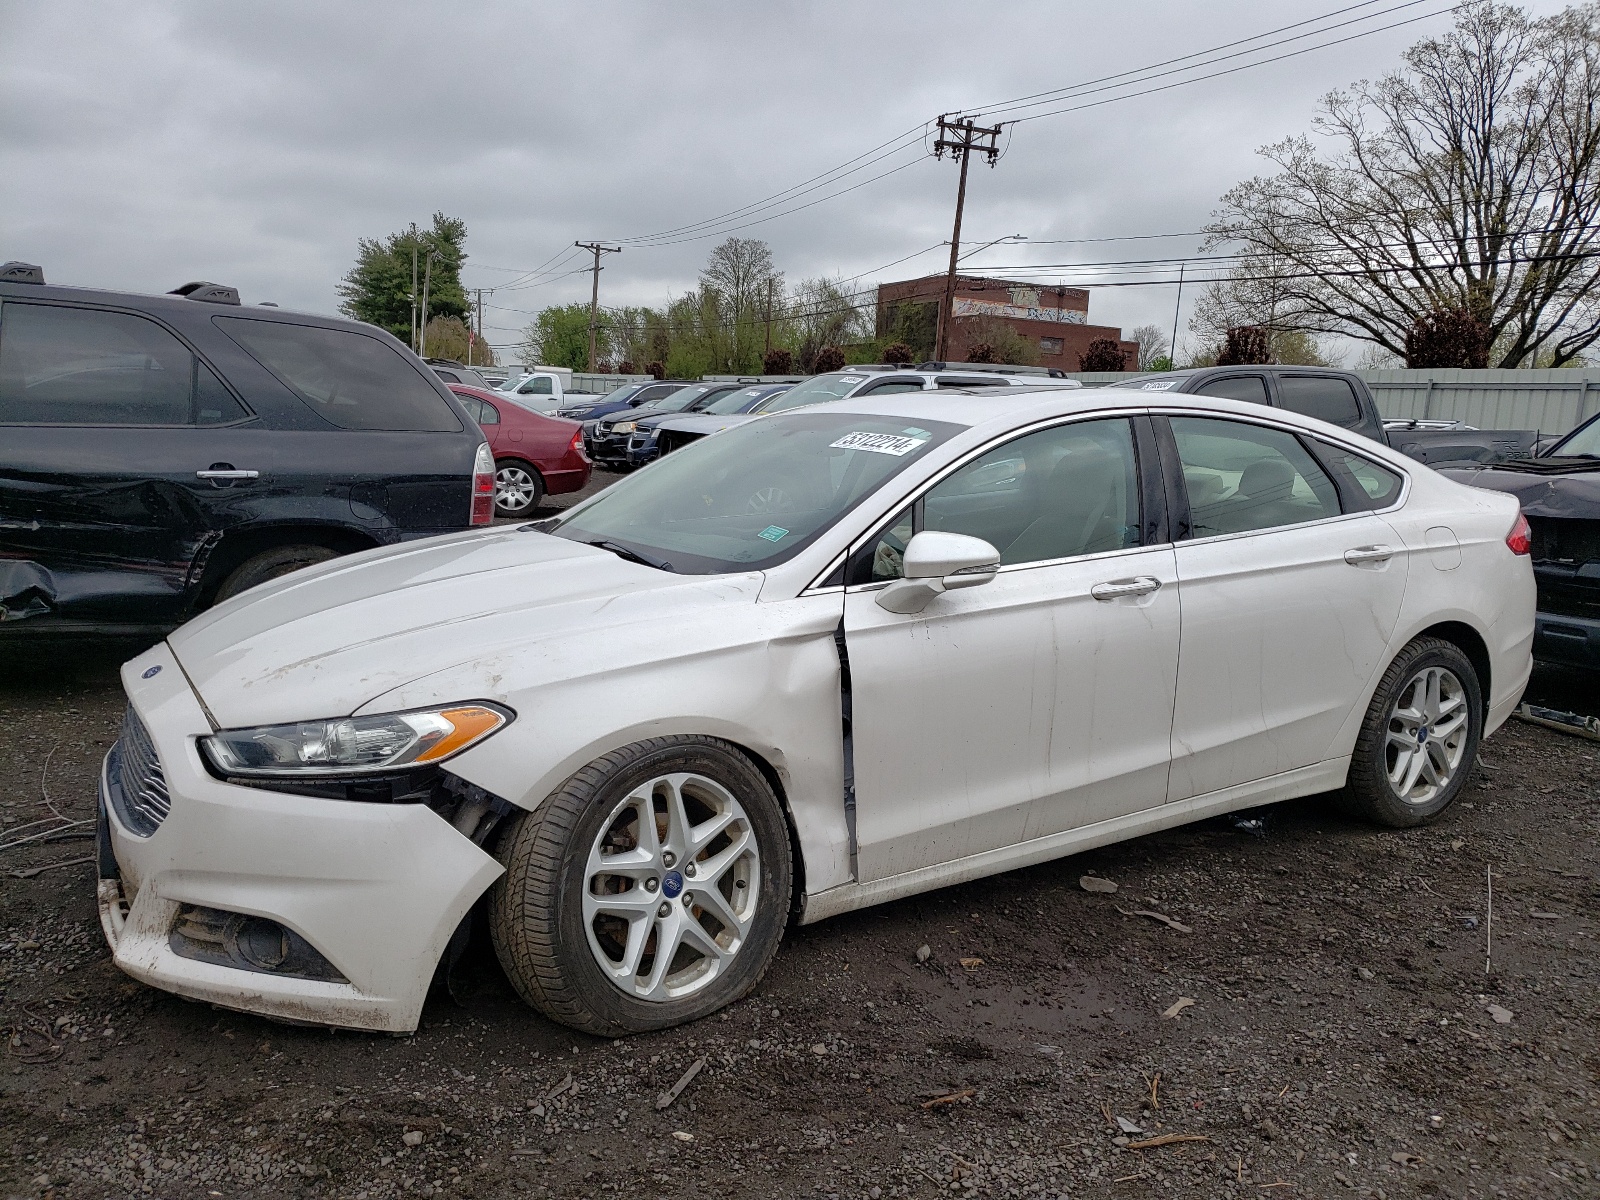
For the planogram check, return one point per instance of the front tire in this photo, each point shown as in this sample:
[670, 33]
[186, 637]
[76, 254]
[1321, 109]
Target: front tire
[651, 889]
[1419, 741]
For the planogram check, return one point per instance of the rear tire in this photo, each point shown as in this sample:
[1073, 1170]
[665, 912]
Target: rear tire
[1419, 741]
[592, 892]
[518, 488]
[270, 564]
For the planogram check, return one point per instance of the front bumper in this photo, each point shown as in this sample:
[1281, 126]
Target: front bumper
[1567, 641]
[607, 447]
[376, 889]
[641, 449]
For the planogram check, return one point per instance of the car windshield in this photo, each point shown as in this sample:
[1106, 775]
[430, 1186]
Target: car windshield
[734, 401]
[677, 401]
[816, 390]
[1584, 443]
[754, 495]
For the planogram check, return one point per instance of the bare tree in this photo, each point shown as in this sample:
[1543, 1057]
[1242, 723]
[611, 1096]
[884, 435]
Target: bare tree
[1152, 341]
[1468, 180]
[1255, 297]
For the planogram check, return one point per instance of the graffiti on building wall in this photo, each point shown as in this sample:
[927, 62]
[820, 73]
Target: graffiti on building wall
[991, 308]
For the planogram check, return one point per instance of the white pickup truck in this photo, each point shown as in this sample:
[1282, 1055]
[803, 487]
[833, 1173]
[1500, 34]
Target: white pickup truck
[544, 389]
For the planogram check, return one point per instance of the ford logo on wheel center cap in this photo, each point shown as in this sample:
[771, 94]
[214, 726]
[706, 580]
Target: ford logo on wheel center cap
[672, 885]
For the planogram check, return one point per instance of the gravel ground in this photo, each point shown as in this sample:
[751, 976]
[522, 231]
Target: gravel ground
[1344, 1036]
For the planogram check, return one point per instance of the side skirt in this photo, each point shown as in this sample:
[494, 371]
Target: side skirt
[1303, 781]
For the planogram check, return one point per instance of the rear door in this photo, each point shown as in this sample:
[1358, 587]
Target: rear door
[1289, 604]
[122, 453]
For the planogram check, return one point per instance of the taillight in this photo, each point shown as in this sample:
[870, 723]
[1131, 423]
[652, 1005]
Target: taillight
[577, 440]
[1520, 539]
[483, 486]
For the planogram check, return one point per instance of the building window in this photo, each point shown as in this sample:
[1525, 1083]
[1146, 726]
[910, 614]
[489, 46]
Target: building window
[1048, 345]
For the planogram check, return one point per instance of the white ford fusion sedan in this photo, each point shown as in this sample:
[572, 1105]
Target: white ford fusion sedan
[825, 659]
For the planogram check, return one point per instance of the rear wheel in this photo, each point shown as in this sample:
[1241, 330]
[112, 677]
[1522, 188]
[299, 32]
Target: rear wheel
[518, 488]
[1419, 741]
[652, 889]
[270, 564]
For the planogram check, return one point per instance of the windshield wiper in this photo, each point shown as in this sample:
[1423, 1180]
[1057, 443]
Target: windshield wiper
[622, 551]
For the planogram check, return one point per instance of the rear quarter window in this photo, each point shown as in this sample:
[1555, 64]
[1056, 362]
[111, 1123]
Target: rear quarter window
[1325, 397]
[352, 380]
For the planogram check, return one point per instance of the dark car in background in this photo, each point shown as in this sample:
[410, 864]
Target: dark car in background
[534, 455]
[629, 395]
[606, 439]
[161, 453]
[1559, 490]
[644, 439]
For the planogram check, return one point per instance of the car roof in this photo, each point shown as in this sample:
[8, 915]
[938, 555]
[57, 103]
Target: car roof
[180, 307]
[1006, 408]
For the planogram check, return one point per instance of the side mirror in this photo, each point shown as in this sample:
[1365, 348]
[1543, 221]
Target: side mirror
[938, 562]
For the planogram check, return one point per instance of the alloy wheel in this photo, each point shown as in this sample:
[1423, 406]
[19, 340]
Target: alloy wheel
[670, 887]
[514, 489]
[1427, 737]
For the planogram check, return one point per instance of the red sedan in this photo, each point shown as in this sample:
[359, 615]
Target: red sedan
[534, 455]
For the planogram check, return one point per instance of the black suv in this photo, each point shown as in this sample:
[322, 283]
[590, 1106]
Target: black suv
[161, 453]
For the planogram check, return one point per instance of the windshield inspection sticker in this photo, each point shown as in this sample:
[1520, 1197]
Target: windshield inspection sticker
[1156, 387]
[878, 443]
[773, 534]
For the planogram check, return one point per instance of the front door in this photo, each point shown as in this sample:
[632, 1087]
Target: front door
[1289, 605]
[1038, 702]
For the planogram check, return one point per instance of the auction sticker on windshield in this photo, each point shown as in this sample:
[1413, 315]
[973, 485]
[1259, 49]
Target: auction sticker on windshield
[878, 443]
[773, 533]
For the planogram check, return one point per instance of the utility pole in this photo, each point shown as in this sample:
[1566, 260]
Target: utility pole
[478, 313]
[1172, 352]
[413, 297]
[961, 138]
[427, 276]
[597, 249]
[768, 349]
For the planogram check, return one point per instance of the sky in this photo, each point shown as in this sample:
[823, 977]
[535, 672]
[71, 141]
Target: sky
[142, 146]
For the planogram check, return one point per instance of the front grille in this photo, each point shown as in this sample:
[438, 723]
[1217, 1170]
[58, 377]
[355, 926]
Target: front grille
[145, 802]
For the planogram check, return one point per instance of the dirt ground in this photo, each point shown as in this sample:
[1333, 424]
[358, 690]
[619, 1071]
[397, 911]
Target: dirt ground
[1343, 1037]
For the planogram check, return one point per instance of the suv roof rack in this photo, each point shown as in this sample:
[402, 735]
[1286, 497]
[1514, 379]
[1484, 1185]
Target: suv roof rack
[448, 362]
[211, 293]
[21, 272]
[997, 368]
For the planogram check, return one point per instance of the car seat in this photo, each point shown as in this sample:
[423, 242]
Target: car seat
[1082, 509]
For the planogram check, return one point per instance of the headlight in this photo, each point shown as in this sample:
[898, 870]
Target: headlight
[353, 745]
[625, 427]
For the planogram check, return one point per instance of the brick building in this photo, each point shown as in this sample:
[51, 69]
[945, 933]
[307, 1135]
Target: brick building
[1054, 319]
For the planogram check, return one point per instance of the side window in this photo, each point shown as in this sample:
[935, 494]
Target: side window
[883, 560]
[447, 376]
[539, 385]
[1325, 397]
[1372, 486]
[81, 366]
[892, 385]
[488, 414]
[1241, 477]
[473, 405]
[349, 379]
[952, 381]
[1250, 388]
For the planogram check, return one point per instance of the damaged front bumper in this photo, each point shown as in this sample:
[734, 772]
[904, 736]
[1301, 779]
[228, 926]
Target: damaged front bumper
[329, 912]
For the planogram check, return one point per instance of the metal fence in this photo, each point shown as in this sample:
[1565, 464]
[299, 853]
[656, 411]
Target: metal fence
[1550, 400]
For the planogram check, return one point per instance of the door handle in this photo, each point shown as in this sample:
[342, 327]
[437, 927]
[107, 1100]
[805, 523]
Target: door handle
[1142, 586]
[1366, 554]
[228, 474]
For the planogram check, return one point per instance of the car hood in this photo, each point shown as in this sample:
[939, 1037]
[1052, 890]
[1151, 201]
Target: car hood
[706, 422]
[324, 641]
[1545, 487]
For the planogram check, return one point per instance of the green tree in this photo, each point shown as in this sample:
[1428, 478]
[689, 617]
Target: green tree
[449, 337]
[378, 288]
[559, 337]
[1467, 180]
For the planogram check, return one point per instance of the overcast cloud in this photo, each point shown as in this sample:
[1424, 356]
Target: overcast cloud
[252, 144]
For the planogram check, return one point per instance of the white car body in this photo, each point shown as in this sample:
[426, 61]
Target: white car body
[1002, 726]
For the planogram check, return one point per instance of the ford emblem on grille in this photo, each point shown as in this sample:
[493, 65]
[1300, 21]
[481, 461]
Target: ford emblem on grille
[152, 672]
